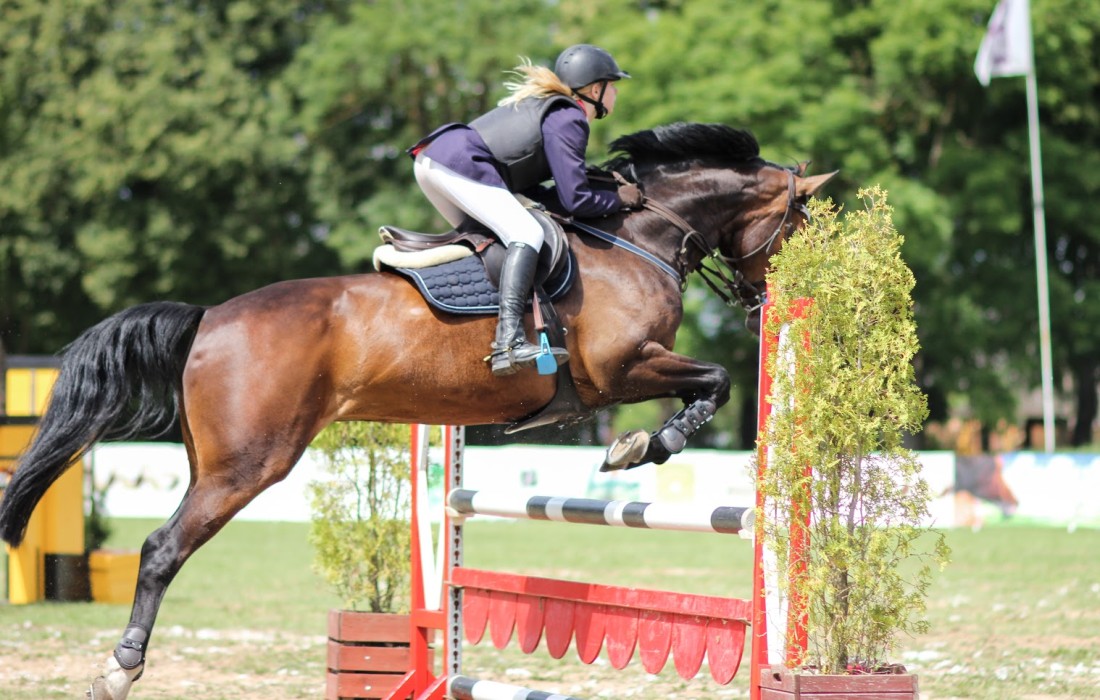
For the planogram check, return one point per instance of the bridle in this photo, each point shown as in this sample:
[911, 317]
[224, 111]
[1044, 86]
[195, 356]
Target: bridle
[724, 275]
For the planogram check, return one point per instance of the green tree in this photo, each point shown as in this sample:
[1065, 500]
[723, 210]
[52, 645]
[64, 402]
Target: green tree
[844, 499]
[148, 152]
[198, 150]
[886, 93]
[373, 83]
[360, 514]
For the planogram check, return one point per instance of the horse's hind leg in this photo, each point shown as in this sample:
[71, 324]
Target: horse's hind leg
[221, 485]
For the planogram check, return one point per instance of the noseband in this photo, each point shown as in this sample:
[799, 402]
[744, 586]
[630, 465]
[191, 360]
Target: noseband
[724, 275]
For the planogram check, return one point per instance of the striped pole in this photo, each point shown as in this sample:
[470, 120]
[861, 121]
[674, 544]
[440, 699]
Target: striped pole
[654, 516]
[464, 688]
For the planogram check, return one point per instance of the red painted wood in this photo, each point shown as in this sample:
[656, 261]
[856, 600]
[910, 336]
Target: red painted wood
[897, 683]
[362, 662]
[429, 619]
[664, 601]
[436, 690]
[872, 695]
[529, 620]
[589, 624]
[356, 626]
[475, 614]
[359, 657]
[780, 684]
[657, 623]
[621, 636]
[558, 620]
[689, 644]
[725, 646]
[404, 689]
[502, 617]
[654, 639]
[360, 686]
[771, 694]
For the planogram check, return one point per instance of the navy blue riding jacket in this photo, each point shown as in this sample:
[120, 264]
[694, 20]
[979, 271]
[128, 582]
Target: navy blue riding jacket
[564, 139]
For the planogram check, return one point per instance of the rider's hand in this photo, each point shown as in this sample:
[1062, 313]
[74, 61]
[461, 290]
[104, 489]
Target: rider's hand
[631, 196]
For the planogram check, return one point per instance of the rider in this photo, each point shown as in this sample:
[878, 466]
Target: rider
[538, 131]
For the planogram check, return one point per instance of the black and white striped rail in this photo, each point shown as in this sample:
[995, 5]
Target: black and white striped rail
[464, 688]
[653, 516]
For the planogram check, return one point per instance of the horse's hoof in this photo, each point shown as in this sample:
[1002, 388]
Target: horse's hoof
[629, 448]
[115, 682]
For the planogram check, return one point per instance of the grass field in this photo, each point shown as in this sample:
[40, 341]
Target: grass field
[1016, 615]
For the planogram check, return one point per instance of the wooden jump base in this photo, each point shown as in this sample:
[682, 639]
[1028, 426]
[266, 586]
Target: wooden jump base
[463, 602]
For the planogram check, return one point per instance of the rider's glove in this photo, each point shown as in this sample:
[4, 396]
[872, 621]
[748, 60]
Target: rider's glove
[631, 196]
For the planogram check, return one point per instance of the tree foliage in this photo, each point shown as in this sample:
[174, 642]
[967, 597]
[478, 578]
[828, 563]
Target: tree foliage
[375, 82]
[195, 150]
[844, 396]
[148, 152]
[360, 529]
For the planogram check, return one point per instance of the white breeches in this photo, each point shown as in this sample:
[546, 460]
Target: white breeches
[458, 197]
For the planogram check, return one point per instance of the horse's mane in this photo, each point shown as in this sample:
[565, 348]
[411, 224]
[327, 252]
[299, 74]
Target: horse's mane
[680, 142]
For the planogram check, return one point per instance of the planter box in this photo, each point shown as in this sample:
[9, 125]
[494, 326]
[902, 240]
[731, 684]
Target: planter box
[781, 684]
[368, 654]
[114, 574]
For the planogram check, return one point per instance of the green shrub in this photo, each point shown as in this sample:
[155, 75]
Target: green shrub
[842, 415]
[360, 528]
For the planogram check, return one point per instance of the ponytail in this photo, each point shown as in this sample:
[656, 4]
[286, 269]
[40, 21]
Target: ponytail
[536, 81]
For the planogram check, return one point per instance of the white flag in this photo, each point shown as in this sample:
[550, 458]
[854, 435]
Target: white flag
[1006, 48]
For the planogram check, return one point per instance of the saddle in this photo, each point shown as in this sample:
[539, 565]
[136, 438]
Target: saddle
[458, 272]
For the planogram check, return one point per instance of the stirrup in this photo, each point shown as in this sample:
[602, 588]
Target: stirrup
[503, 362]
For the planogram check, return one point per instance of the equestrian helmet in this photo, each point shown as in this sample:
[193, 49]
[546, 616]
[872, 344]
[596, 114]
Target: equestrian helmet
[583, 64]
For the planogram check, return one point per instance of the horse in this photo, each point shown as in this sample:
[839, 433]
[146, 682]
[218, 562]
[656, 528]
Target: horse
[252, 380]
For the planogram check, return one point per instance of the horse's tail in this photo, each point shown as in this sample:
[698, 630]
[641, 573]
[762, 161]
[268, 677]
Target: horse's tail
[118, 381]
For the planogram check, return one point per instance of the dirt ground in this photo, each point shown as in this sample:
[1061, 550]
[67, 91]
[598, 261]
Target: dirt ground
[38, 663]
[239, 665]
[250, 665]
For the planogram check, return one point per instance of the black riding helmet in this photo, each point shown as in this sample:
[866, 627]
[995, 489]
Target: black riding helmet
[584, 64]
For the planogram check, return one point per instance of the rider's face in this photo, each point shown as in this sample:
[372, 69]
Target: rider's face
[610, 93]
[609, 96]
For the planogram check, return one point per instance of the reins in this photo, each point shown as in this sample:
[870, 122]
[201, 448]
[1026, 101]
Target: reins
[724, 276]
[626, 245]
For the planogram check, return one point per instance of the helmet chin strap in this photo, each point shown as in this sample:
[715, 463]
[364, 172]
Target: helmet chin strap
[601, 111]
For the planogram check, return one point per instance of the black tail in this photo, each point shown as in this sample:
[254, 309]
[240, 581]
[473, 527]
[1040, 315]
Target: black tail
[118, 381]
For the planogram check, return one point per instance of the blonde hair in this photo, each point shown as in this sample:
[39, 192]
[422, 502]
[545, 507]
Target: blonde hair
[533, 81]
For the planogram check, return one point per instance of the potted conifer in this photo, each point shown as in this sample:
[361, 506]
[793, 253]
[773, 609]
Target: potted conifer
[360, 532]
[837, 475]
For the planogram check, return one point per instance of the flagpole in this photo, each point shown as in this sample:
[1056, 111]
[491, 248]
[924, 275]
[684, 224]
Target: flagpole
[1046, 364]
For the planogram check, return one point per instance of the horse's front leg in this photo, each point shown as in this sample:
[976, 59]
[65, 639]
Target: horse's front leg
[634, 448]
[704, 387]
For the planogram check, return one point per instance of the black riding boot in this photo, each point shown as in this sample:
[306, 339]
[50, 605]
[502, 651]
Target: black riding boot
[511, 351]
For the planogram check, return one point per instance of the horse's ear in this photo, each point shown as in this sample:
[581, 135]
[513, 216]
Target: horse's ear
[807, 186]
